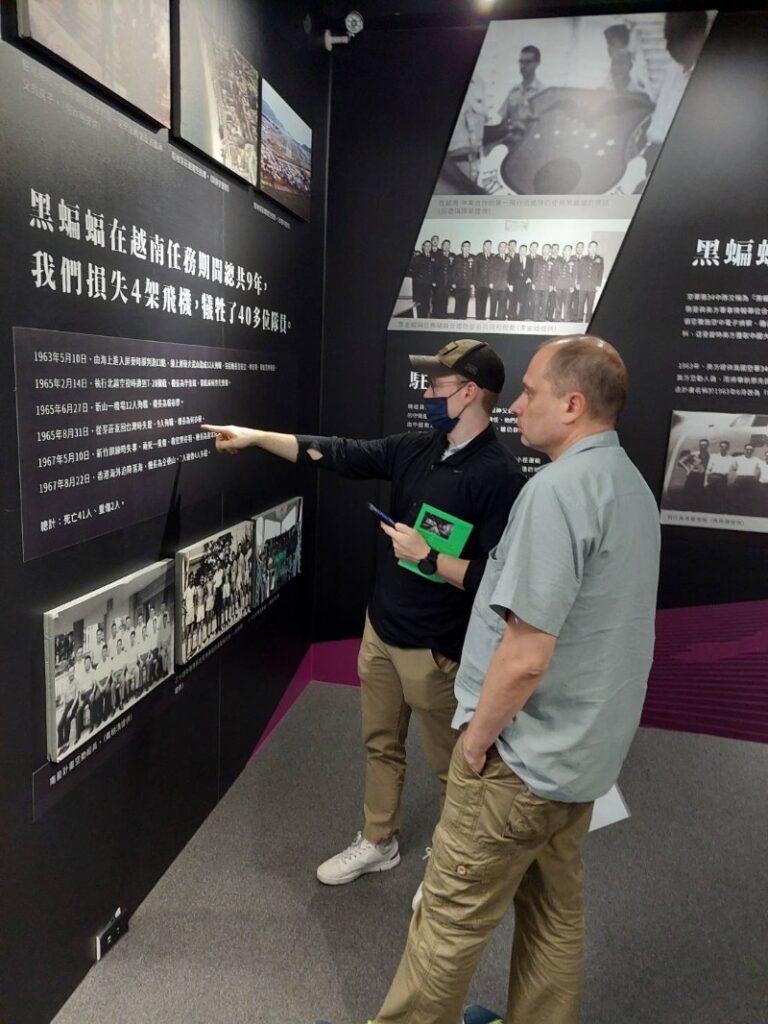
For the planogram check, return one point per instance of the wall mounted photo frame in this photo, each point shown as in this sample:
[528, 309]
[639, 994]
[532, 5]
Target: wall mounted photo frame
[277, 548]
[216, 91]
[214, 585]
[716, 472]
[104, 652]
[286, 154]
[124, 48]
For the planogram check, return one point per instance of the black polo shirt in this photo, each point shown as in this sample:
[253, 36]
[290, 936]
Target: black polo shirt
[478, 483]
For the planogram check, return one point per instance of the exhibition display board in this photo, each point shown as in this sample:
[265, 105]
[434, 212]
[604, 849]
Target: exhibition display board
[148, 287]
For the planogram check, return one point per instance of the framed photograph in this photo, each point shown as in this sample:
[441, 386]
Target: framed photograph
[571, 105]
[104, 652]
[214, 585]
[286, 154]
[278, 548]
[526, 274]
[123, 47]
[217, 91]
[716, 473]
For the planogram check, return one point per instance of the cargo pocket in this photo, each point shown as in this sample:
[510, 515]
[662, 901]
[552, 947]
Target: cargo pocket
[530, 819]
[454, 880]
[464, 881]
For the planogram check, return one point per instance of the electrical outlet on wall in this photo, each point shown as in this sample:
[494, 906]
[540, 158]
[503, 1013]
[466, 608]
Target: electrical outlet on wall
[109, 935]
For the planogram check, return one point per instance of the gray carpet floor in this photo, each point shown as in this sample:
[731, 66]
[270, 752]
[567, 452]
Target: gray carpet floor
[238, 931]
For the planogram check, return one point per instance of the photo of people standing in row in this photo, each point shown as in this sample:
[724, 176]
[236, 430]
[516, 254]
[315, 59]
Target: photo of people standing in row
[545, 282]
[717, 464]
[214, 581]
[278, 548]
[106, 651]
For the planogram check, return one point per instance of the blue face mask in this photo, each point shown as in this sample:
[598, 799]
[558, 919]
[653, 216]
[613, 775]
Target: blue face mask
[437, 412]
[437, 415]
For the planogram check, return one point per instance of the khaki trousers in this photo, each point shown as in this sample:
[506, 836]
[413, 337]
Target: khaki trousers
[395, 682]
[496, 844]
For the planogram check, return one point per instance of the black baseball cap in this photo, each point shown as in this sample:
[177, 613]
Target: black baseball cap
[473, 359]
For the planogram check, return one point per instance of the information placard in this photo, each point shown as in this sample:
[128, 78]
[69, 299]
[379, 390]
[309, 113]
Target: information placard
[109, 426]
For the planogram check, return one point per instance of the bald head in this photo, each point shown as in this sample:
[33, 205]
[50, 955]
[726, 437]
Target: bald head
[589, 365]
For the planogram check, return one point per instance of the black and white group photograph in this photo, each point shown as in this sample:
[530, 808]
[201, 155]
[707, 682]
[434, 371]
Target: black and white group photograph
[515, 276]
[104, 652]
[124, 45]
[214, 580]
[571, 106]
[219, 91]
[716, 472]
[278, 548]
[286, 153]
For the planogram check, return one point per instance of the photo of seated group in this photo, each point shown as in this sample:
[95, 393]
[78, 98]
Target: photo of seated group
[278, 548]
[717, 471]
[547, 272]
[214, 586]
[104, 652]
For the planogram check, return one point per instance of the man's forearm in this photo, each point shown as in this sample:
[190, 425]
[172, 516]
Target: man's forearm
[453, 570]
[285, 446]
[508, 684]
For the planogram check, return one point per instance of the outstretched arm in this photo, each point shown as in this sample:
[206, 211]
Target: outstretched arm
[231, 439]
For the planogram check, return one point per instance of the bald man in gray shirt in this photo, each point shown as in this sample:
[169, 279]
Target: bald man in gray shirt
[550, 690]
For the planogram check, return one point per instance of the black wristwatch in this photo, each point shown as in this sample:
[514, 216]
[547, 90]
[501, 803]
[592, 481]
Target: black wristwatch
[428, 564]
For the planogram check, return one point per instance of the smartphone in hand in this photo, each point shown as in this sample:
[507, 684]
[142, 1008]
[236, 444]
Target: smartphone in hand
[380, 515]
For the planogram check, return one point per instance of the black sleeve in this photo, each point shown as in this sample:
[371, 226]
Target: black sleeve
[361, 460]
[494, 504]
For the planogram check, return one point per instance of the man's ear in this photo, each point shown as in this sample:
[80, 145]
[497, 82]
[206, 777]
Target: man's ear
[576, 406]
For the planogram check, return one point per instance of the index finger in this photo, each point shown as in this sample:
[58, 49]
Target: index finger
[213, 429]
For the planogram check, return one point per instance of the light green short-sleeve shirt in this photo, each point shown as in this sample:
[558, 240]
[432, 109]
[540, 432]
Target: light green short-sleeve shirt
[579, 559]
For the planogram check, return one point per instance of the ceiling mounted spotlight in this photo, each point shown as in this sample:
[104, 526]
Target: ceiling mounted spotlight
[353, 23]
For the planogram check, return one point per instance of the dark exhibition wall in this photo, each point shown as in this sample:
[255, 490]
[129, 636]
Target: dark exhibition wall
[388, 135]
[145, 288]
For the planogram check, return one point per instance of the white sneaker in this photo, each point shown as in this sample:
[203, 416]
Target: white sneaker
[359, 858]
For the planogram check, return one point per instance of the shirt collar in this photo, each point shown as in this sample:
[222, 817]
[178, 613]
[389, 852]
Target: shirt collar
[606, 439]
[478, 441]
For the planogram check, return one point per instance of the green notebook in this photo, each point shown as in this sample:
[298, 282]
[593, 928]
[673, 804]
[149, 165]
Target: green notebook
[445, 533]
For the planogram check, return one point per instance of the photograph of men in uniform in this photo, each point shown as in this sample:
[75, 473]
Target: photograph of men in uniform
[442, 263]
[563, 277]
[500, 283]
[541, 284]
[462, 280]
[483, 280]
[422, 278]
[590, 279]
[522, 285]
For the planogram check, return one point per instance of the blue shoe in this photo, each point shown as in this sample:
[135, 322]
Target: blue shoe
[477, 1014]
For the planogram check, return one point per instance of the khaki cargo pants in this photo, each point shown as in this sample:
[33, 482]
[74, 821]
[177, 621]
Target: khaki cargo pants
[395, 682]
[496, 844]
